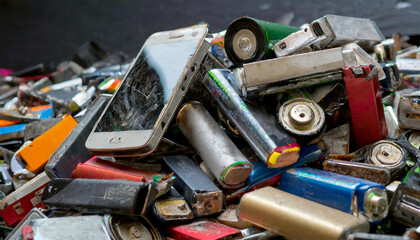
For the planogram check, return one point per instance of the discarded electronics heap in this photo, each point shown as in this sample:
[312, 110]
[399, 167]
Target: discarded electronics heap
[262, 131]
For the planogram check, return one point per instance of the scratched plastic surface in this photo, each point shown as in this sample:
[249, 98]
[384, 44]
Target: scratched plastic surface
[82, 227]
[147, 87]
[331, 189]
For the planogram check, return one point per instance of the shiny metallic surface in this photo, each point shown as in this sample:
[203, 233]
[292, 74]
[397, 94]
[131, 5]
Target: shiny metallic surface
[297, 218]
[375, 204]
[244, 44]
[385, 153]
[301, 117]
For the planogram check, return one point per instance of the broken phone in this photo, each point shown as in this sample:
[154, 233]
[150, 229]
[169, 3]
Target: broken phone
[142, 107]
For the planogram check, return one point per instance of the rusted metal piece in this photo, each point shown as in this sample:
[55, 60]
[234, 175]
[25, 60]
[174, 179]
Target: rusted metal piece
[196, 188]
[369, 172]
[231, 218]
[409, 111]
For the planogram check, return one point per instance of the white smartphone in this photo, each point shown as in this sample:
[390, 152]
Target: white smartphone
[138, 114]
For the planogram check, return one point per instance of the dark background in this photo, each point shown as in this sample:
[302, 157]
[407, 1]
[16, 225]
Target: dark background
[47, 31]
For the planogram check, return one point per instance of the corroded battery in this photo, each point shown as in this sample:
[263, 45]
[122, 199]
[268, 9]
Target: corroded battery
[409, 111]
[220, 154]
[133, 228]
[105, 196]
[389, 155]
[297, 218]
[303, 119]
[194, 185]
[378, 174]
[272, 145]
[172, 207]
[365, 101]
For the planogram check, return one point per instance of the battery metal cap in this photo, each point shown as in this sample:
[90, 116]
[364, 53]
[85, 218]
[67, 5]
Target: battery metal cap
[387, 154]
[130, 228]
[375, 205]
[302, 118]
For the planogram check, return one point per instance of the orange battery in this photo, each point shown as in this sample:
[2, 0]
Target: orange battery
[36, 154]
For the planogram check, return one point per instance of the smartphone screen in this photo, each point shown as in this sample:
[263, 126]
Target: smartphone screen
[148, 86]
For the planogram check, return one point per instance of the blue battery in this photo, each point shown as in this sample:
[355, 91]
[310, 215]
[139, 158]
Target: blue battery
[356, 196]
[261, 173]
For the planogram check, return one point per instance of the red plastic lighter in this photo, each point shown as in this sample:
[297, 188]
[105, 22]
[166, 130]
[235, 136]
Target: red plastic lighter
[365, 103]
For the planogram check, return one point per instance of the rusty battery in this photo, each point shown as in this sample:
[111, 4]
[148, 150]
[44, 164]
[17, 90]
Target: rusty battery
[366, 171]
[222, 157]
[409, 111]
[172, 207]
[194, 185]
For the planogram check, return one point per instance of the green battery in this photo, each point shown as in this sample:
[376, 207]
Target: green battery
[249, 39]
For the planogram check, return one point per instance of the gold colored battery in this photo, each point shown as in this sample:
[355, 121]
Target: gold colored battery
[297, 218]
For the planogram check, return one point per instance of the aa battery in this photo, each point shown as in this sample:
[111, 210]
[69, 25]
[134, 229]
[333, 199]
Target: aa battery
[365, 103]
[363, 198]
[105, 196]
[249, 39]
[370, 172]
[220, 154]
[303, 119]
[297, 218]
[263, 176]
[276, 153]
[172, 207]
[194, 185]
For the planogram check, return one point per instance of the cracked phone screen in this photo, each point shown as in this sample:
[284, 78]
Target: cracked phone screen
[148, 86]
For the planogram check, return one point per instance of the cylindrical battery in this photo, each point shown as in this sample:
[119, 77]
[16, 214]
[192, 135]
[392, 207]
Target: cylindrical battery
[282, 152]
[388, 154]
[303, 119]
[360, 197]
[249, 39]
[297, 218]
[220, 154]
